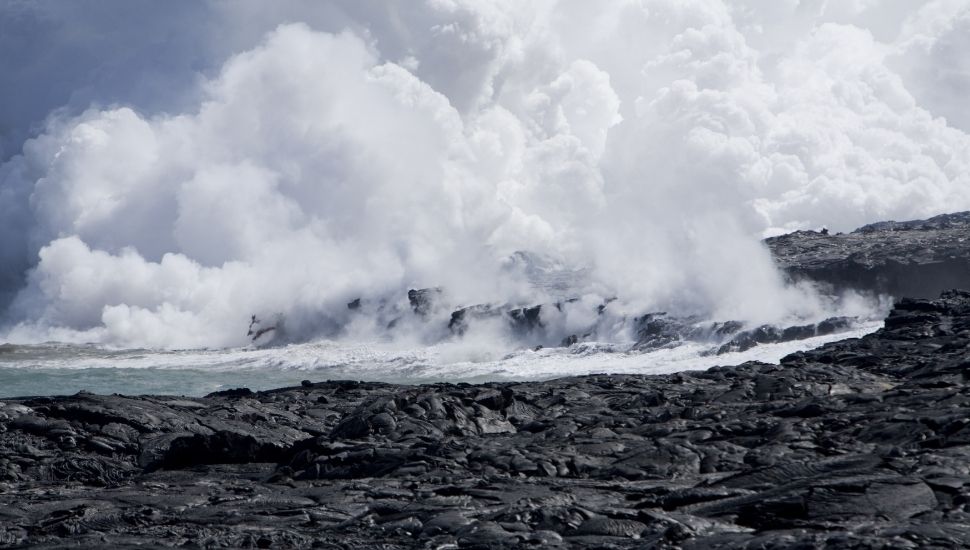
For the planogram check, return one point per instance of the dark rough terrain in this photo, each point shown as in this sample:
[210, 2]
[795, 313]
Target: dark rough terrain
[863, 443]
[914, 258]
[860, 444]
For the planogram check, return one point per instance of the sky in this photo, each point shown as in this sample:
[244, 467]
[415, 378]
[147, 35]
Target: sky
[170, 168]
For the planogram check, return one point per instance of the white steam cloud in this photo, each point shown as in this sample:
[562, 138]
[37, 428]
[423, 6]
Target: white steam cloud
[300, 155]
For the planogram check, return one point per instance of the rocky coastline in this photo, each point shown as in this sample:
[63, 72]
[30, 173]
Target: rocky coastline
[862, 443]
[915, 259]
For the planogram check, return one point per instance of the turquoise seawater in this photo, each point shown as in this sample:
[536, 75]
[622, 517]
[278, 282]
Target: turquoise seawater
[64, 369]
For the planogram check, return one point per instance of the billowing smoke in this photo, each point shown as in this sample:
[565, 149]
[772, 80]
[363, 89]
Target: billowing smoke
[289, 157]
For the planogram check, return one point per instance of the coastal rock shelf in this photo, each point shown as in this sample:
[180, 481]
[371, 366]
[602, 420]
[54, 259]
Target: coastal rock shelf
[915, 258]
[862, 443]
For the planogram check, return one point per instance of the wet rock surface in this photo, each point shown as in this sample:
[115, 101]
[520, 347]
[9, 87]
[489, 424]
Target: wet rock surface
[917, 258]
[862, 443]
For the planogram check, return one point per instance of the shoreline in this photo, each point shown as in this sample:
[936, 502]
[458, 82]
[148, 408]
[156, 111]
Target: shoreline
[860, 442]
[526, 365]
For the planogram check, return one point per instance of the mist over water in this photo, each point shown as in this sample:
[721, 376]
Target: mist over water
[49, 369]
[285, 159]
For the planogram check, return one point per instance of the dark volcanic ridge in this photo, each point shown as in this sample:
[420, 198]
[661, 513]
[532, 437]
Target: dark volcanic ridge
[917, 258]
[545, 325]
[861, 443]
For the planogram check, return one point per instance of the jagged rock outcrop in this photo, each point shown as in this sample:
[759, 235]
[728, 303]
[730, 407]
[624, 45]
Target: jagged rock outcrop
[918, 259]
[423, 301]
[769, 334]
[859, 444]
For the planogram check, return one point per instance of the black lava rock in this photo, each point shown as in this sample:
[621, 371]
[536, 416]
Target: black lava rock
[861, 443]
[918, 258]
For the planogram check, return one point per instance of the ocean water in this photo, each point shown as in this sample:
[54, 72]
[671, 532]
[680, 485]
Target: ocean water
[63, 369]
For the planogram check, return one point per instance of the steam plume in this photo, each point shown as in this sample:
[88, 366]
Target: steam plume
[320, 152]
